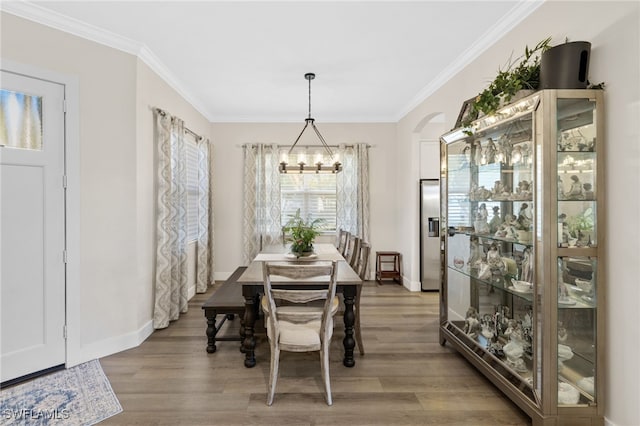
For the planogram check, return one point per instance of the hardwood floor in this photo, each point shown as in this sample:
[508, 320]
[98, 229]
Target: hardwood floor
[405, 378]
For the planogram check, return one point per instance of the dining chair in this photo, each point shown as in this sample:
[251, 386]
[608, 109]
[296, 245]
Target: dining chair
[361, 269]
[351, 253]
[343, 240]
[292, 324]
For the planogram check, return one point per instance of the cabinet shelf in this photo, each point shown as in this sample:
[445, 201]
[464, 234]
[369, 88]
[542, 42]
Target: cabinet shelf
[501, 283]
[494, 238]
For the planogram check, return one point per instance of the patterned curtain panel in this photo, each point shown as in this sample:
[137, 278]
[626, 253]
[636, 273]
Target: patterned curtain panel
[353, 190]
[204, 247]
[261, 223]
[171, 223]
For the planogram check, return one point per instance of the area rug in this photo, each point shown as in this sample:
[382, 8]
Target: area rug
[81, 395]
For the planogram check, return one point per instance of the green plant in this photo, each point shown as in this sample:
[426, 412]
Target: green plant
[521, 75]
[302, 233]
[581, 224]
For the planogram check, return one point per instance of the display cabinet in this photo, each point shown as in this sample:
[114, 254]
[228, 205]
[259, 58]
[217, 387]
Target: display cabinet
[523, 267]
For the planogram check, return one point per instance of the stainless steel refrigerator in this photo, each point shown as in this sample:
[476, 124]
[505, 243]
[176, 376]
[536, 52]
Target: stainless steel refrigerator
[430, 234]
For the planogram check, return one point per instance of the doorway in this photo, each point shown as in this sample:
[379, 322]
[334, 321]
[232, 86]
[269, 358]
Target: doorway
[32, 198]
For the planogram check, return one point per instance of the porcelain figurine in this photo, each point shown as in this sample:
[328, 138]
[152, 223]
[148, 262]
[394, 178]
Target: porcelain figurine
[490, 152]
[497, 190]
[588, 193]
[575, 192]
[480, 224]
[527, 266]
[496, 221]
[494, 260]
[475, 255]
[562, 333]
[508, 228]
[514, 351]
[477, 152]
[524, 217]
[472, 323]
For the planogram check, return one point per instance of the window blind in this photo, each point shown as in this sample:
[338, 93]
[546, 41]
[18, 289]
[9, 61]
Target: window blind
[191, 147]
[314, 194]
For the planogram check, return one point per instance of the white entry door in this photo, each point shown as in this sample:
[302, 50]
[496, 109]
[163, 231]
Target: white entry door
[32, 225]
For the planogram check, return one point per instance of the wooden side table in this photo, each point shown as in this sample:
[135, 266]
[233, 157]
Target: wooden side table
[388, 266]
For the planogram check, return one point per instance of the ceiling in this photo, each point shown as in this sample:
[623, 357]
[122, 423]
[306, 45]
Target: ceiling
[239, 61]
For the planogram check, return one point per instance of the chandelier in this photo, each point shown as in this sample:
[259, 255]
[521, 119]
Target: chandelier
[319, 166]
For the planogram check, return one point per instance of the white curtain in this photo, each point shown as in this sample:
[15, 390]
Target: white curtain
[353, 190]
[171, 221]
[262, 224]
[204, 244]
[171, 286]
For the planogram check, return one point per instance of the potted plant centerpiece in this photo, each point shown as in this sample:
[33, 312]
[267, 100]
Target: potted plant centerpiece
[302, 234]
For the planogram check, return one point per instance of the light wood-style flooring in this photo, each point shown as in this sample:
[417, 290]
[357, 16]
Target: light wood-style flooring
[405, 378]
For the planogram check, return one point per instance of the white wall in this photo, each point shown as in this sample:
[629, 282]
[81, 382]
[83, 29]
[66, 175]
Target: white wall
[116, 177]
[612, 28]
[228, 138]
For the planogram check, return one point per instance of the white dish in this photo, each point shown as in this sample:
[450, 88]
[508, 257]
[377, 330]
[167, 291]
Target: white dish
[566, 301]
[523, 286]
[567, 394]
[586, 383]
[512, 288]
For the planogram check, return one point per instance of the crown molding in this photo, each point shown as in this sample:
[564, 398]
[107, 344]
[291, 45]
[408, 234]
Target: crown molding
[516, 15]
[58, 21]
[50, 18]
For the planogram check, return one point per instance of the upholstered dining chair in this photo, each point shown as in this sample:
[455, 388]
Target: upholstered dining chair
[361, 269]
[297, 326]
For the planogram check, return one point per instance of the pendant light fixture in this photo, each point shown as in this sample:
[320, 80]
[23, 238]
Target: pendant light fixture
[318, 167]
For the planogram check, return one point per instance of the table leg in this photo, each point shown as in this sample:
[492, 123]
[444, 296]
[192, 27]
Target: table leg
[249, 342]
[211, 331]
[349, 343]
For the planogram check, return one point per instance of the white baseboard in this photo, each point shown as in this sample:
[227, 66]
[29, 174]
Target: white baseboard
[113, 345]
[411, 285]
[221, 276]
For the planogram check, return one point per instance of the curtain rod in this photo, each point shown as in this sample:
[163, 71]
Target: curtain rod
[186, 129]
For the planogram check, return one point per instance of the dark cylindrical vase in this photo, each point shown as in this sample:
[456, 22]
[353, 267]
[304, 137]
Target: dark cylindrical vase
[565, 66]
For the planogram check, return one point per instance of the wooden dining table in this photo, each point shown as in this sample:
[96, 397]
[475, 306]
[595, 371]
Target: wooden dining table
[252, 285]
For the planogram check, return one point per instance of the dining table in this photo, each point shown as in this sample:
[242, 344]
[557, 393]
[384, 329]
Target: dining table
[251, 280]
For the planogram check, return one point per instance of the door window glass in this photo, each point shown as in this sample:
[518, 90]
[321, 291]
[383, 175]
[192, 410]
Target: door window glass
[20, 120]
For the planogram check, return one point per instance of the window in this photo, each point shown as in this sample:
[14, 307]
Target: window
[459, 185]
[20, 120]
[191, 148]
[314, 194]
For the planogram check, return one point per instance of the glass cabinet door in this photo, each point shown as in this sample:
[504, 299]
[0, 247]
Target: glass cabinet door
[577, 261]
[577, 190]
[490, 248]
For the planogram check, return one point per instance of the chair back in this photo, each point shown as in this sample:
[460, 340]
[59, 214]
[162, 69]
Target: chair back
[363, 260]
[343, 240]
[353, 248]
[316, 281]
